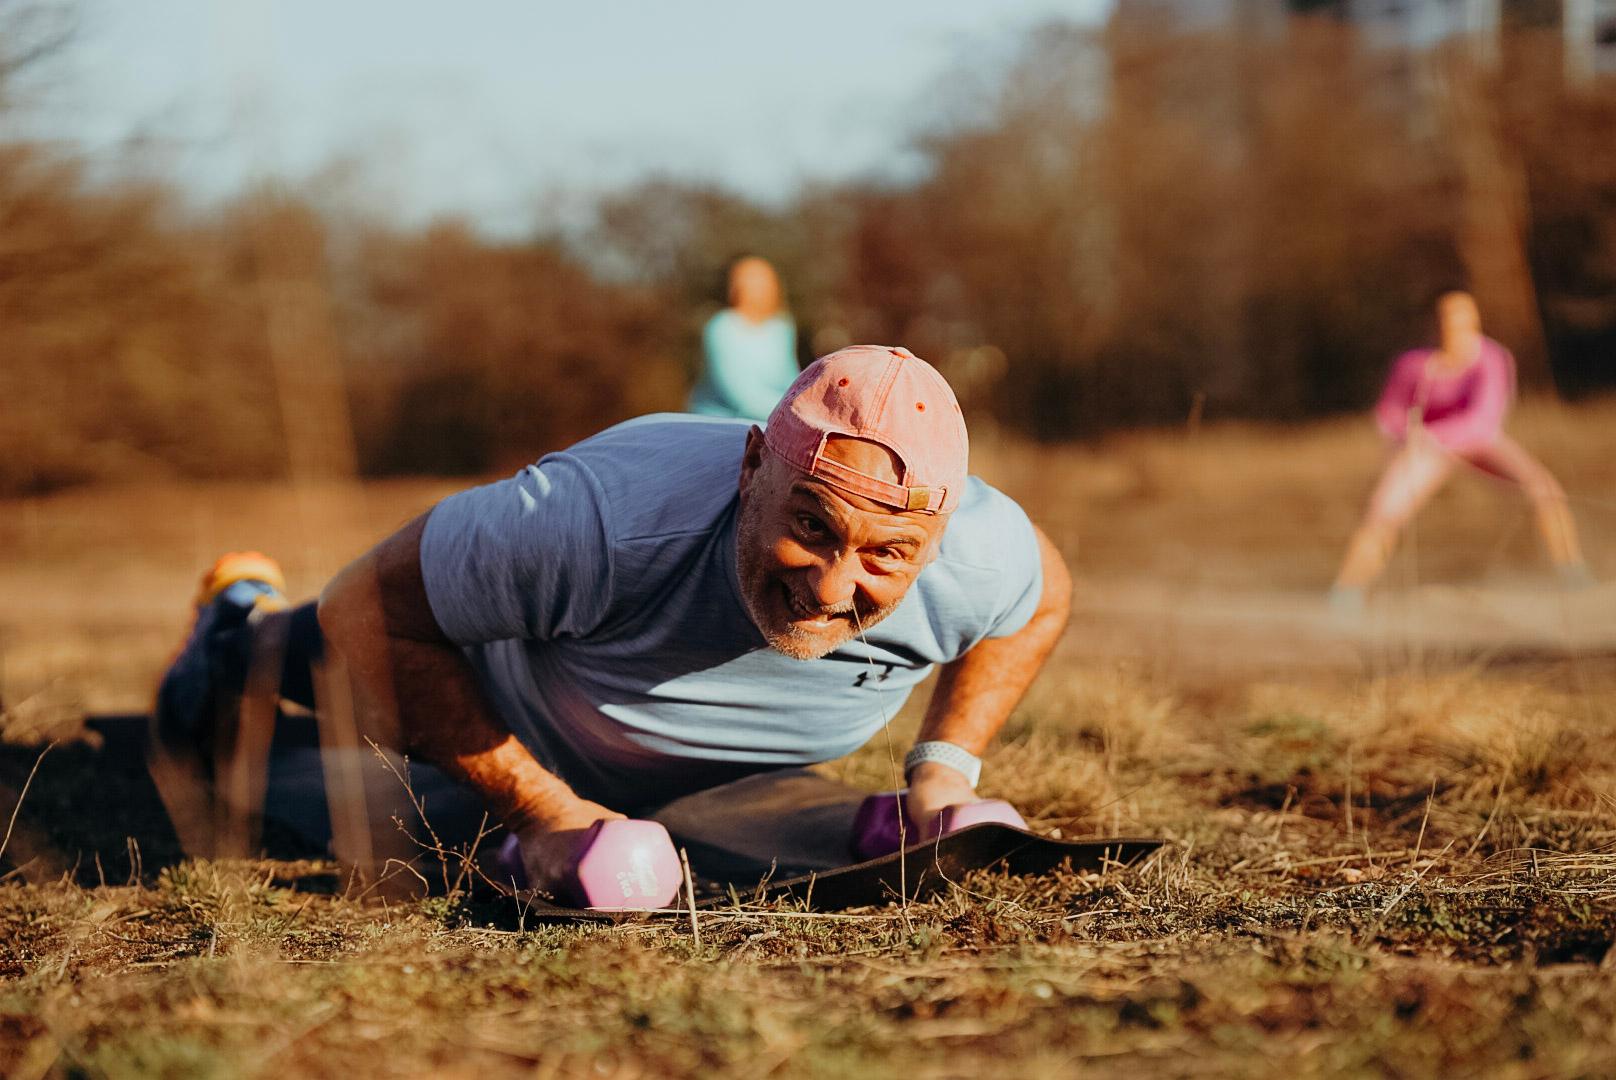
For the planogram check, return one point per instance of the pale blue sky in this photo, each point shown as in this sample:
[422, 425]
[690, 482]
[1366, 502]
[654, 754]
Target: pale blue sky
[480, 107]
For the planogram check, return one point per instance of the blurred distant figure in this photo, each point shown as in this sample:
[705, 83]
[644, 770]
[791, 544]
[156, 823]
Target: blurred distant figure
[1441, 408]
[749, 350]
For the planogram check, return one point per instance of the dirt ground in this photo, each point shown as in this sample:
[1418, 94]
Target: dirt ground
[1389, 840]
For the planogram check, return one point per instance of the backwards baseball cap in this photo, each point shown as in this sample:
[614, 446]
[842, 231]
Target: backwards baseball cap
[888, 396]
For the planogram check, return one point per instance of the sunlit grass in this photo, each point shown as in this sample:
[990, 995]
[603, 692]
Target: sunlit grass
[1382, 857]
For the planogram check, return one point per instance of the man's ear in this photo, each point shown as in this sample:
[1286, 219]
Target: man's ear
[752, 457]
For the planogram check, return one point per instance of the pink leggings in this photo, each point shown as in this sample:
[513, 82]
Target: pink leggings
[1421, 465]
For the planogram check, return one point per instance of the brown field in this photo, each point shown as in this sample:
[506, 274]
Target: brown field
[1390, 843]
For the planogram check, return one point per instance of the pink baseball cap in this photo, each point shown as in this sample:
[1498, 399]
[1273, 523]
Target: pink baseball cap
[888, 396]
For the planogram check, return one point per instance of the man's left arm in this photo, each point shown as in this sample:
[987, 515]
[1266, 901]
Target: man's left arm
[976, 693]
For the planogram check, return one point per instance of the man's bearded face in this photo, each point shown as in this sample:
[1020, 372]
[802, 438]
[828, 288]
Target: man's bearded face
[816, 565]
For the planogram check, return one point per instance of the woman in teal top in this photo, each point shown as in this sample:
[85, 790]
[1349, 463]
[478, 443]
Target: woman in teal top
[749, 350]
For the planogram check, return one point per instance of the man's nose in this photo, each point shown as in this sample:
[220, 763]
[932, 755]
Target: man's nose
[835, 579]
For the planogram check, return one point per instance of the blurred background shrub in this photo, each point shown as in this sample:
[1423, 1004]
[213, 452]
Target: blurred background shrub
[1123, 227]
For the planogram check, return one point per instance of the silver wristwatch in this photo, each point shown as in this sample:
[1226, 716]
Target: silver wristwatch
[944, 753]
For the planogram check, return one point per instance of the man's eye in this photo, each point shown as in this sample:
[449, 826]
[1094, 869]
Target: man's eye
[811, 527]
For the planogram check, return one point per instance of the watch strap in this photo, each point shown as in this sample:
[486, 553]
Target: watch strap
[944, 753]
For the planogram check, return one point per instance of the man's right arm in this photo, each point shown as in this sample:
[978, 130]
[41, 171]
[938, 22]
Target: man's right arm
[411, 678]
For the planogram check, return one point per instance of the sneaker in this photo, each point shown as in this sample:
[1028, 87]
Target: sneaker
[207, 675]
[1346, 603]
[1574, 577]
[254, 568]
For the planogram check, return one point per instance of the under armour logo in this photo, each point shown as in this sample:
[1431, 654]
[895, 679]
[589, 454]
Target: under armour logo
[865, 676]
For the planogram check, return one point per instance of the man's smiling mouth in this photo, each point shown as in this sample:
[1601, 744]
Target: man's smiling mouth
[813, 617]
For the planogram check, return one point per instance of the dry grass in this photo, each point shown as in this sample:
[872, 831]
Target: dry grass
[1385, 858]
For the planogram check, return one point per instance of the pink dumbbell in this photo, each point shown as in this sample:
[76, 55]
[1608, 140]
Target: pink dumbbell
[623, 863]
[964, 815]
[875, 826]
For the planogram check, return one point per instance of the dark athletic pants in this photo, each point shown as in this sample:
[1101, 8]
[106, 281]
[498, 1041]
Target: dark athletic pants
[786, 822]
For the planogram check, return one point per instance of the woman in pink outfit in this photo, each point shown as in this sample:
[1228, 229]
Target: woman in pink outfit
[1441, 408]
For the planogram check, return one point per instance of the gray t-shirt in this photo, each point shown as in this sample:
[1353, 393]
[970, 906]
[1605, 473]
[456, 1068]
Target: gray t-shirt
[596, 594]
